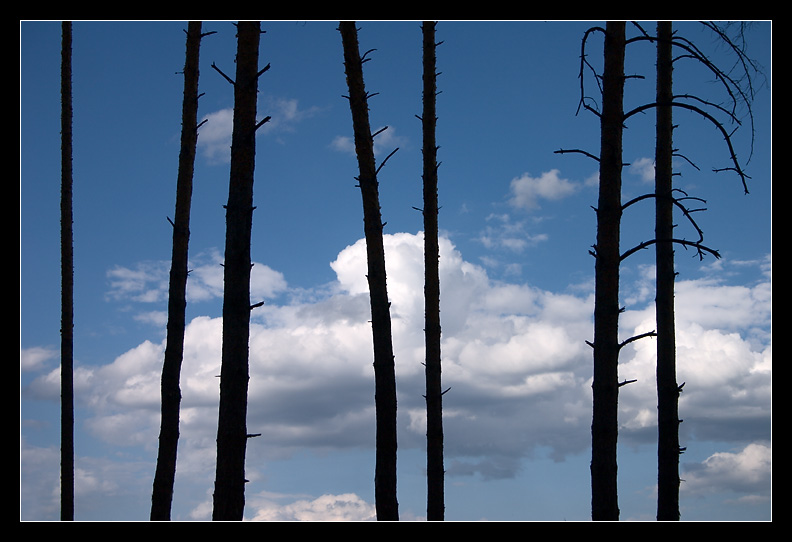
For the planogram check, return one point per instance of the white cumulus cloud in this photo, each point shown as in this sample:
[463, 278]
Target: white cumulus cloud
[527, 191]
[514, 357]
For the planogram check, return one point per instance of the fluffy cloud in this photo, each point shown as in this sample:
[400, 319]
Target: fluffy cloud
[527, 191]
[346, 507]
[514, 357]
[36, 358]
[743, 471]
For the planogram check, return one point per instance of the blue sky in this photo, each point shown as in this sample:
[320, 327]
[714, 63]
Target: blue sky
[516, 277]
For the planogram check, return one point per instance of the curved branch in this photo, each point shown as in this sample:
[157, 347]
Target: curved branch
[739, 90]
[585, 153]
[636, 200]
[688, 160]
[726, 136]
[730, 114]
[700, 249]
[636, 337]
[583, 64]
[694, 53]
[678, 202]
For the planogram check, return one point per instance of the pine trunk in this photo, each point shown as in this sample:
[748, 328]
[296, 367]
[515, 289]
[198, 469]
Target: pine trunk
[162, 493]
[435, 471]
[667, 388]
[67, 281]
[384, 371]
[229, 491]
[605, 387]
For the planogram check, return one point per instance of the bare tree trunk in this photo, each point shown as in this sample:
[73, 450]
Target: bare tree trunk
[604, 428]
[435, 471]
[229, 492]
[384, 370]
[67, 281]
[162, 492]
[667, 388]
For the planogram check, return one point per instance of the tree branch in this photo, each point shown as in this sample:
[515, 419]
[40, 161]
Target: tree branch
[700, 249]
[265, 119]
[218, 70]
[585, 153]
[726, 136]
[636, 337]
[386, 159]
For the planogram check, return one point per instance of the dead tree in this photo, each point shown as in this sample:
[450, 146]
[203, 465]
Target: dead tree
[606, 251]
[162, 492]
[666, 200]
[604, 494]
[605, 386]
[435, 471]
[232, 435]
[67, 280]
[384, 370]
[667, 388]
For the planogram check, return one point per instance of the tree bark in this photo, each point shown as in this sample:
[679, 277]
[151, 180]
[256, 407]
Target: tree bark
[435, 471]
[67, 280]
[384, 371]
[162, 493]
[605, 387]
[667, 389]
[229, 491]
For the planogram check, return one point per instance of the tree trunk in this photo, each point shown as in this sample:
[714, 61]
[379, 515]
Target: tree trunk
[605, 387]
[67, 281]
[667, 388]
[384, 370]
[229, 491]
[435, 471]
[162, 493]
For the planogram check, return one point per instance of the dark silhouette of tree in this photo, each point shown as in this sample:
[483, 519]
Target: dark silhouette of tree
[384, 371]
[740, 91]
[229, 490]
[606, 251]
[162, 492]
[605, 386]
[668, 390]
[435, 471]
[67, 280]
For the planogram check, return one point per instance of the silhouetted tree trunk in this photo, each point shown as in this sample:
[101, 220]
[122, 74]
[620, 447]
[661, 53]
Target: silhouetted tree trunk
[162, 492]
[435, 471]
[384, 370]
[229, 491]
[67, 281]
[605, 386]
[606, 346]
[667, 389]
[738, 89]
